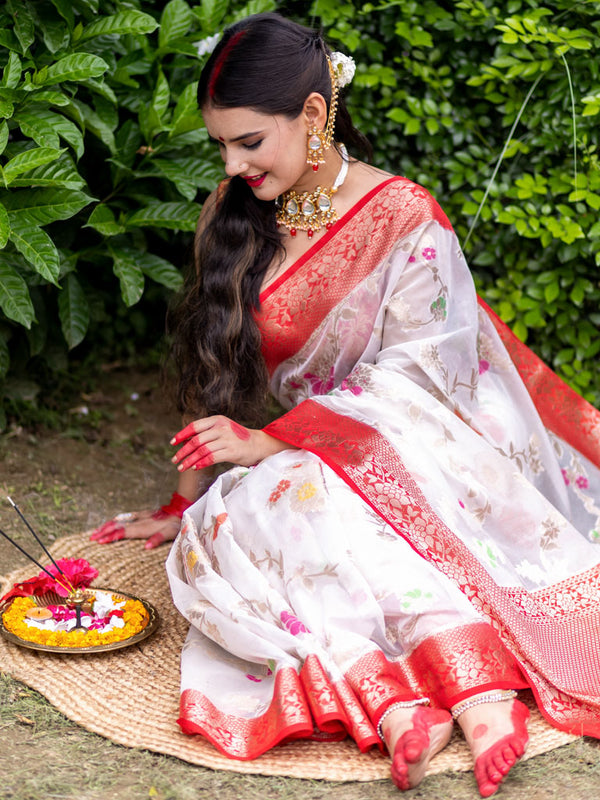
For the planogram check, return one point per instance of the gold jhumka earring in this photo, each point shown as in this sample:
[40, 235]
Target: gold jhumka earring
[311, 211]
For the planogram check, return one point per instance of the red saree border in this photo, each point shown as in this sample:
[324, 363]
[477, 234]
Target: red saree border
[561, 409]
[305, 705]
[333, 231]
[292, 310]
[568, 689]
[310, 705]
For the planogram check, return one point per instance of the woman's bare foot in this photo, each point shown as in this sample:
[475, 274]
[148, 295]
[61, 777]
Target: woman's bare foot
[413, 737]
[497, 735]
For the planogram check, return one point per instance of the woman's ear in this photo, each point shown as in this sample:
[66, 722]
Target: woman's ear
[315, 111]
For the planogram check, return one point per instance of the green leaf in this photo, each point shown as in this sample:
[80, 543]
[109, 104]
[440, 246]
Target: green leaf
[49, 97]
[130, 21]
[175, 21]
[4, 226]
[95, 124]
[161, 96]
[45, 126]
[160, 270]
[7, 108]
[190, 123]
[190, 174]
[77, 67]
[551, 292]
[14, 295]
[37, 247]
[73, 311]
[53, 29]
[42, 206]
[28, 160]
[39, 128]
[60, 173]
[103, 220]
[211, 12]
[187, 103]
[3, 135]
[65, 9]
[174, 216]
[12, 72]
[22, 22]
[130, 275]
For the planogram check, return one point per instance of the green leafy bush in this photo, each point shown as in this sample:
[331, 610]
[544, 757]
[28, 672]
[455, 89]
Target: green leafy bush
[103, 161]
[448, 92]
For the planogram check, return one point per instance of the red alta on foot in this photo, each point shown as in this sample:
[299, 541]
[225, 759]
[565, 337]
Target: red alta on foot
[495, 763]
[430, 732]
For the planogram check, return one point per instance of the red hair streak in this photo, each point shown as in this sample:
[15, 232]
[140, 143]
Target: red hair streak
[220, 62]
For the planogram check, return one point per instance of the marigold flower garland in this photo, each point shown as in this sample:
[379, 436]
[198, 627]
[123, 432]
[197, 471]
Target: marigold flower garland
[134, 616]
[106, 617]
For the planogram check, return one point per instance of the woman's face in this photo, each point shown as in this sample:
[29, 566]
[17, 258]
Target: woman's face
[267, 151]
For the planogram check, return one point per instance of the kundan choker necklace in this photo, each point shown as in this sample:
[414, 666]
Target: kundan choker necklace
[310, 211]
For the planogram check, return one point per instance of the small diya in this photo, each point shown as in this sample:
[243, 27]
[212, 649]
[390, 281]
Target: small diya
[59, 611]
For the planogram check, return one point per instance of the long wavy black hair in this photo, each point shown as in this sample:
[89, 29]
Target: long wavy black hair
[271, 65]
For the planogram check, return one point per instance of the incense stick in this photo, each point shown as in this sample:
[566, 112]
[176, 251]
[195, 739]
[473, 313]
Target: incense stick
[37, 563]
[38, 540]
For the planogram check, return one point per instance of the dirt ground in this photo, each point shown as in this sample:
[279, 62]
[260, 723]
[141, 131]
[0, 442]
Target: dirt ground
[113, 455]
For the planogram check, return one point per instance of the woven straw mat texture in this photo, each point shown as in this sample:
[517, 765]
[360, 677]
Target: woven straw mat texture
[131, 696]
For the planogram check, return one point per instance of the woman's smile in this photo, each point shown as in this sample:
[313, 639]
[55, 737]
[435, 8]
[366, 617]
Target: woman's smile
[255, 180]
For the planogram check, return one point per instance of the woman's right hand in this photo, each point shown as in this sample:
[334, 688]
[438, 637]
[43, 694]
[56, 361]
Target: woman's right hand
[155, 526]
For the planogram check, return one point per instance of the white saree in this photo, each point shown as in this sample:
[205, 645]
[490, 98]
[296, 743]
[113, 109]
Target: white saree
[437, 533]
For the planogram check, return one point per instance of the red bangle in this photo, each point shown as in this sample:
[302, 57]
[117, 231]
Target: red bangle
[174, 508]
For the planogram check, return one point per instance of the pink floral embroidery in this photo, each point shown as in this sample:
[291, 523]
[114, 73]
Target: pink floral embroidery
[253, 678]
[356, 390]
[483, 366]
[292, 623]
[565, 477]
[429, 253]
[582, 482]
[318, 385]
[461, 504]
[412, 259]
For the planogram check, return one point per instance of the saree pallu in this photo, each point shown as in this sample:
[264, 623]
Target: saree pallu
[436, 533]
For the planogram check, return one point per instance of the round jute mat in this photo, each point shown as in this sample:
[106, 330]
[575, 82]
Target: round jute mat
[131, 696]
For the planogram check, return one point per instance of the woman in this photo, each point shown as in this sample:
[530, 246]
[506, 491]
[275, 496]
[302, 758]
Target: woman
[410, 543]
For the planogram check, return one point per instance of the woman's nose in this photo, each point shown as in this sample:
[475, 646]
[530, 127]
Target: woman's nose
[234, 166]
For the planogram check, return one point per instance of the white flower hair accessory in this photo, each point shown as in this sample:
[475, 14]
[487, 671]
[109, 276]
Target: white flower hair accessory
[343, 68]
[207, 45]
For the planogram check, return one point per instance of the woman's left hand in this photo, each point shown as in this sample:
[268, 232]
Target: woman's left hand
[214, 440]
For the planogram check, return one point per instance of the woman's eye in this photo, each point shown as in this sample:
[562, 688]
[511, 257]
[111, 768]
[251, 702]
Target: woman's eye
[254, 145]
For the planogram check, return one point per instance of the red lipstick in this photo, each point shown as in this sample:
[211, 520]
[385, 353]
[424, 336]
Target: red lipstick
[255, 180]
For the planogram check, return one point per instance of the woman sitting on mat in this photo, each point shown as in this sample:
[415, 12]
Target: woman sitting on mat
[416, 538]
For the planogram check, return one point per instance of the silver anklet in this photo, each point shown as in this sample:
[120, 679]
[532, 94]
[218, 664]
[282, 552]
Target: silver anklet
[421, 701]
[496, 697]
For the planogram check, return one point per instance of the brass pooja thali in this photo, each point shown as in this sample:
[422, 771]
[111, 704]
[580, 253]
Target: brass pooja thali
[150, 623]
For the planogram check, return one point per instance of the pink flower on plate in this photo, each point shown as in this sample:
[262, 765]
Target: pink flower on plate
[429, 253]
[292, 623]
[78, 571]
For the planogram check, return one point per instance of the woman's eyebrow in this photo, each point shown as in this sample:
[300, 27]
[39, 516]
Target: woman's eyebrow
[236, 138]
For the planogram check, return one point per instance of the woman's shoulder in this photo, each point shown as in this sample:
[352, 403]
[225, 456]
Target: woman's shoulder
[398, 194]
